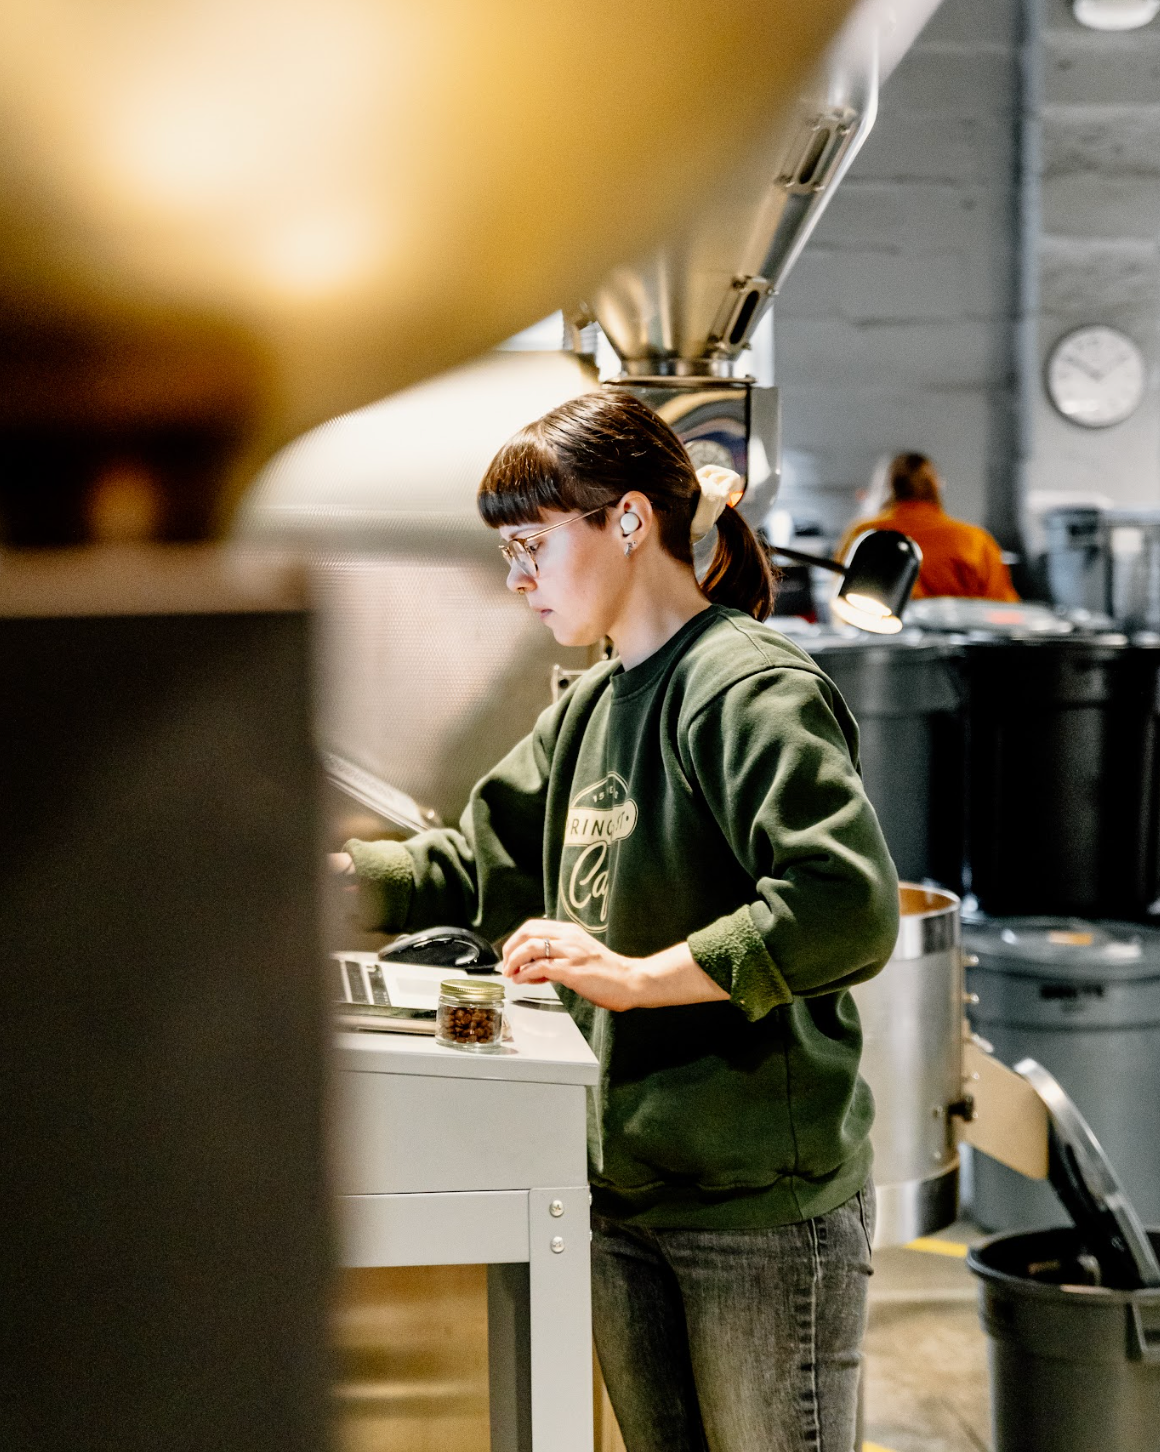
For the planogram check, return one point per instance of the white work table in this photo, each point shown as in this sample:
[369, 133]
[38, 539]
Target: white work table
[445, 1157]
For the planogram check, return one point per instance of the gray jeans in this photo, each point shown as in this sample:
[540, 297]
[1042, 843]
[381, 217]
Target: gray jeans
[734, 1340]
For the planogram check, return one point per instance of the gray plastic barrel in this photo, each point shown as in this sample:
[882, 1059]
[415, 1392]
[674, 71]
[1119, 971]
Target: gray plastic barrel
[907, 698]
[1083, 999]
[1074, 1368]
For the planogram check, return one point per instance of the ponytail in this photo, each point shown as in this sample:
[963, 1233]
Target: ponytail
[739, 573]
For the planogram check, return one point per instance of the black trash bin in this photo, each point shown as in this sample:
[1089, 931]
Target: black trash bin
[907, 697]
[1074, 1367]
[1063, 775]
[1073, 1315]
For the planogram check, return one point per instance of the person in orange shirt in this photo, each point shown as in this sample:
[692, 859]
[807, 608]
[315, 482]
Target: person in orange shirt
[957, 558]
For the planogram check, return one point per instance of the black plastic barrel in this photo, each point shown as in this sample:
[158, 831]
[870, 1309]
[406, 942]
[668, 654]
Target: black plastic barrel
[1063, 780]
[1083, 1000]
[907, 698]
[1074, 1367]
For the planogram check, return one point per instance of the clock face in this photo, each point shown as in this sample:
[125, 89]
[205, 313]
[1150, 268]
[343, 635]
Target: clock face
[1096, 377]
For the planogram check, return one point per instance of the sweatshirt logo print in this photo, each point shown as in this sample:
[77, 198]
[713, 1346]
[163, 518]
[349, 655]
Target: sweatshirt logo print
[599, 819]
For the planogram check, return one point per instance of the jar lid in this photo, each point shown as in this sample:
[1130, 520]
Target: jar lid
[472, 990]
[1064, 947]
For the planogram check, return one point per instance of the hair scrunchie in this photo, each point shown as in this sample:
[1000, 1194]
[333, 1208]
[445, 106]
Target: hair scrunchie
[719, 488]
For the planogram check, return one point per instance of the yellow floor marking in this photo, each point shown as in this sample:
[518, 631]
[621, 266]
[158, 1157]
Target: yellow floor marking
[939, 1247]
[874, 1447]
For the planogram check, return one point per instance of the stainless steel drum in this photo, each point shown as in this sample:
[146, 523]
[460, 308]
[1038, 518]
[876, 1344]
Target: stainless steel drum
[912, 1059]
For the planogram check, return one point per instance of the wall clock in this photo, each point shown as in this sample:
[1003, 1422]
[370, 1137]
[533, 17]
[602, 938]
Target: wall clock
[1096, 377]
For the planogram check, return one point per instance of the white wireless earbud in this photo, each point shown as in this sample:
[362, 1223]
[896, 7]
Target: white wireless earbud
[629, 522]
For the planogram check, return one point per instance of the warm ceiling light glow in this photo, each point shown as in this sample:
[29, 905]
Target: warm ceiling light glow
[1116, 14]
[183, 153]
[317, 255]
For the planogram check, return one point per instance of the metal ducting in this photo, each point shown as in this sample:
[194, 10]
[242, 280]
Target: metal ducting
[690, 308]
[681, 317]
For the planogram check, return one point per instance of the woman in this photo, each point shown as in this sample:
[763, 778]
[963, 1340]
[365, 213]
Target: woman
[682, 845]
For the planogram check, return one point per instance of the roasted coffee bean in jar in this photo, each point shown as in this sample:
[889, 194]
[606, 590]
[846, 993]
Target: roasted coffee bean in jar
[470, 1014]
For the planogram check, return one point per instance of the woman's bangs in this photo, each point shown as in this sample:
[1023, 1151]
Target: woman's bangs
[522, 482]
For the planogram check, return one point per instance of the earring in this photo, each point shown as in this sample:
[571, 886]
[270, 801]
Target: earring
[628, 548]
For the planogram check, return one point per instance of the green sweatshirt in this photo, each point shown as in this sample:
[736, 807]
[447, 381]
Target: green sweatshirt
[710, 794]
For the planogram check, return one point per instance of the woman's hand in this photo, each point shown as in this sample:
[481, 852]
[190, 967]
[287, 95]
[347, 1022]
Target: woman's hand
[545, 951]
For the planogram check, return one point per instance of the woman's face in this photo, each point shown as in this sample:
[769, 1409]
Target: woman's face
[581, 576]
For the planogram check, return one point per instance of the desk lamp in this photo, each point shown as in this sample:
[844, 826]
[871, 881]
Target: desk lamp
[877, 579]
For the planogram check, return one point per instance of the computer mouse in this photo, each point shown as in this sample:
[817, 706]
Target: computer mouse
[444, 948]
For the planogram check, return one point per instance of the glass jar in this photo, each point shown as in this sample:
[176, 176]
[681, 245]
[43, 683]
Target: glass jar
[470, 1015]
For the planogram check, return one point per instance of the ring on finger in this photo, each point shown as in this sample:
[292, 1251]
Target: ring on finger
[547, 948]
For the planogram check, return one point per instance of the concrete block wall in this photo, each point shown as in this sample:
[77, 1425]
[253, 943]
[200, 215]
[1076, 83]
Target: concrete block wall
[896, 328]
[1094, 132]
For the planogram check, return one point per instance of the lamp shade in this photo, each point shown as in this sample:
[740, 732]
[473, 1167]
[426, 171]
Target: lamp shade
[879, 575]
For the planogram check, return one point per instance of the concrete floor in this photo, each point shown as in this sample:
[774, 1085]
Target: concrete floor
[926, 1355]
[412, 1351]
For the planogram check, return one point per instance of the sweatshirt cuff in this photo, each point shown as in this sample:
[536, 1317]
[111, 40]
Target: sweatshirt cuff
[386, 881]
[733, 953]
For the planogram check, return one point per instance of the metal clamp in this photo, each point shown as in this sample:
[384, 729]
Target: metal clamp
[963, 1109]
[817, 151]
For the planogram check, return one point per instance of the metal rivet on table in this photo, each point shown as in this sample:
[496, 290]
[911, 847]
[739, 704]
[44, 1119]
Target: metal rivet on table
[557, 1244]
[556, 1208]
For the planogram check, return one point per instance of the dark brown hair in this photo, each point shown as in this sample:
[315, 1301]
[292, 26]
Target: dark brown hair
[913, 477]
[594, 449]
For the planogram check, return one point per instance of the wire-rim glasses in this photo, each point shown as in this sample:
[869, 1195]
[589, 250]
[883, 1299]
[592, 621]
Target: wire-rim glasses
[517, 551]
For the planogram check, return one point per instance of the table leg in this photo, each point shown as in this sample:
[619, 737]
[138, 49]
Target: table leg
[539, 1328]
[560, 1319]
[508, 1358]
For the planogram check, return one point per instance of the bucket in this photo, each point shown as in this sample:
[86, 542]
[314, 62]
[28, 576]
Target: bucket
[1073, 1366]
[912, 1059]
